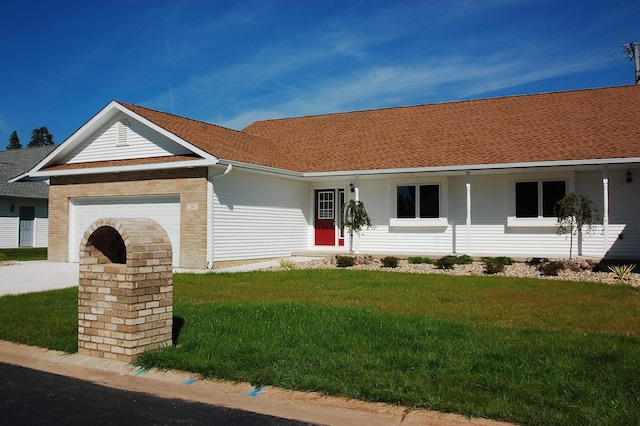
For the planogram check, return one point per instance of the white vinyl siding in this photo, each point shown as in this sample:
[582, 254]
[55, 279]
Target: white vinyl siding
[163, 209]
[9, 232]
[377, 194]
[258, 216]
[10, 222]
[492, 205]
[624, 216]
[123, 139]
[41, 232]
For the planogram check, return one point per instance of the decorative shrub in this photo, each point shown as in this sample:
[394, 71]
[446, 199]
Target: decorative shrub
[464, 259]
[345, 261]
[505, 260]
[446, 262]
[286, 262]
[389, 262]
[551, 269]
[495, 265]
[621, 273]
[417, 260]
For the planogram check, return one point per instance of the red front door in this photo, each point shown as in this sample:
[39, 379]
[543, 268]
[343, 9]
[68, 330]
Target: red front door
[325, 218]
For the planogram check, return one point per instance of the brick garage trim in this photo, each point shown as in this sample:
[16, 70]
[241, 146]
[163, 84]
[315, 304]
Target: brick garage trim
[189, 184]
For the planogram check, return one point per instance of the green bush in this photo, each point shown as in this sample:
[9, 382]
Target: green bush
[417, 260]
[464, 259]
[3, 257]
[446, 262]
[551, 269]
[505, 260]
[493, 265]
[345, 261]
[389, 262]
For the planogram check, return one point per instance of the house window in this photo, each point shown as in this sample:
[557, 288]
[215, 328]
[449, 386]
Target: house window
[535, 199]
[418, 201]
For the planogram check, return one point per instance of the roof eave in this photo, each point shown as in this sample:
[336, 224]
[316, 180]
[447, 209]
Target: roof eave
[123, 169]
[260, 168]
[476, 167]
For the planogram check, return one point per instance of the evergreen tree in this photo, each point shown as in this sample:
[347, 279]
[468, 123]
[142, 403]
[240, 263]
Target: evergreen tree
[14, 141]
[40, 137]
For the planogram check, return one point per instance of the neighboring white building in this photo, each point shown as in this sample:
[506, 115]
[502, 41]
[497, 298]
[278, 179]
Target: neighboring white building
[23, 203]
[475, 177]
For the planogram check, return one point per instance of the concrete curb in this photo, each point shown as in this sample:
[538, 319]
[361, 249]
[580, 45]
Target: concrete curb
[302, 406]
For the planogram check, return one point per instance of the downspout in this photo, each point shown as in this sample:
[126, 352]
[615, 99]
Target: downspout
[210, 214]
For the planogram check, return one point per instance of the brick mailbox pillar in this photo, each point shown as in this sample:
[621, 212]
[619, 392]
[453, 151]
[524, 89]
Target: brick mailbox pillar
[125, 294]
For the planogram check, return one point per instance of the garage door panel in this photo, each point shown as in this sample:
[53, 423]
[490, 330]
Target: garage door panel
[163, 209]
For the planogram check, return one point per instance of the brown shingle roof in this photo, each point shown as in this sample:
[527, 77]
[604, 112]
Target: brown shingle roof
[218, 141]
[565, 126]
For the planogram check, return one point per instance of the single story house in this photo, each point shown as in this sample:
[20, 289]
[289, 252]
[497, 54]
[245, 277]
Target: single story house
[23, 202]
[476, 177]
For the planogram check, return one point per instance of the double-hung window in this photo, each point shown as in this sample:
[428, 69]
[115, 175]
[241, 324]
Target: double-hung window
[419, 205]
[418, 201]
[536, 199]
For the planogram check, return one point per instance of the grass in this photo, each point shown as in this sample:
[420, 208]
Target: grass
[522, 350]
[25, 253]
[47, 319]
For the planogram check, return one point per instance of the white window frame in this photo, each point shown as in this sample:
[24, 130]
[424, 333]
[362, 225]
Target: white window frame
[418, 222]
[539, 221]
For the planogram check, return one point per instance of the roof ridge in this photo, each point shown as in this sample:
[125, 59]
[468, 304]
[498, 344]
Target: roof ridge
[460, 101]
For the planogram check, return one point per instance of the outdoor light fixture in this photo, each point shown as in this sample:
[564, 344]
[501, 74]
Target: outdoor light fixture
[351, 187]
[13, 208]
[629, 176]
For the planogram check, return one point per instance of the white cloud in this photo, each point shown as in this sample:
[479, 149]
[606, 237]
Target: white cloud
[391, 58]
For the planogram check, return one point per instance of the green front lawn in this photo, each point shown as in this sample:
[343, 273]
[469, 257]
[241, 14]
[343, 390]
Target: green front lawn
[522, 350]
[25, 253]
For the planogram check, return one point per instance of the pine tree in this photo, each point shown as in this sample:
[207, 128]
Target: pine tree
[14, 141]
[40, 137]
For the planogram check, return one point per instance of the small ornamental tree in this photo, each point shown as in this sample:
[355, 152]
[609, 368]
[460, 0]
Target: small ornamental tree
[354, 219]
[14, 141]
[576, 214]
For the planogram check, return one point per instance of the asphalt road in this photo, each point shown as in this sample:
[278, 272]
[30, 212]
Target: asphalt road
[33, 397]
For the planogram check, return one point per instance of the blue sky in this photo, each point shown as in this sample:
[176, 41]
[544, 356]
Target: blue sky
[235, 62]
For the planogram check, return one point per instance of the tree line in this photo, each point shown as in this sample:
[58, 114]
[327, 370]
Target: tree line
[39, 137]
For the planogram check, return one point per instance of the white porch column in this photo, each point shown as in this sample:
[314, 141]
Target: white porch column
[356, 237]
[605, 207]
[468, 221]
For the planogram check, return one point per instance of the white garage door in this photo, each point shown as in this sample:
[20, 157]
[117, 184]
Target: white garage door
[163, 209]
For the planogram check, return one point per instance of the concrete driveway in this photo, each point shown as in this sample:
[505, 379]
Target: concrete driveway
[38, 275]
[41, 275]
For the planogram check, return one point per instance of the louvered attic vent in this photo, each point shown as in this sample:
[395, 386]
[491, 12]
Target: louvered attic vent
[122, 136]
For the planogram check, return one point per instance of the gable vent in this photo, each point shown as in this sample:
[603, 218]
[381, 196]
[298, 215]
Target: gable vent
[122, 136]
